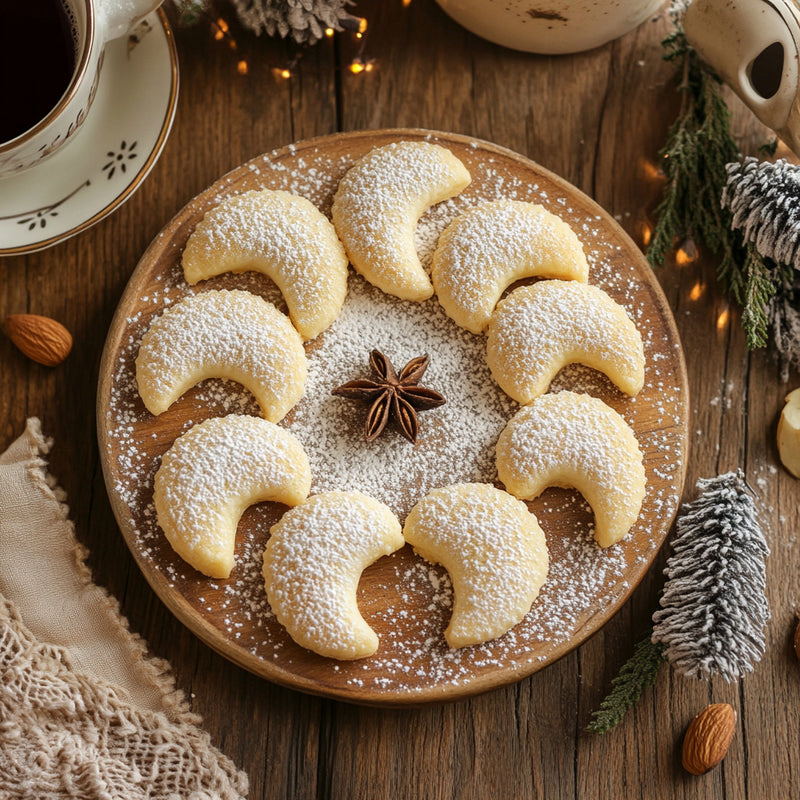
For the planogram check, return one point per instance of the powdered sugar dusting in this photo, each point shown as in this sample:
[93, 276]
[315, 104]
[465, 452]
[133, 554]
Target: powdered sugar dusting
[222, 333]
[282, 234]
[215, 468]
[406, 600]
[538, 328]
[495, 243]
[313, 561]
[456, 441]
[376, 205]
[492, 547]
[580, 440]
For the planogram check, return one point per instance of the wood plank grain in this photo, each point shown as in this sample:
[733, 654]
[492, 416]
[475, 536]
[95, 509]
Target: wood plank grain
[597, 119]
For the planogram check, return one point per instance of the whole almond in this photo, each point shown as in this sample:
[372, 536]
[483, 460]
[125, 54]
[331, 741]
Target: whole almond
[708, 738]
[42, 339]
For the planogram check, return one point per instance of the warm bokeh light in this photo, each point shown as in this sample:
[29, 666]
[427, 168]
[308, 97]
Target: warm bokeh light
[281, 72]
[697, 291]
[682, 258]
[647, 233]
[221, 29]
[358, 65]
[650, 170]
[241, 68]
[357, 24]
[722, 319]
[329, 32]
[687, 254]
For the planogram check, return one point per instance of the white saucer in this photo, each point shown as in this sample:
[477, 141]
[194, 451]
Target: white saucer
[110, 156]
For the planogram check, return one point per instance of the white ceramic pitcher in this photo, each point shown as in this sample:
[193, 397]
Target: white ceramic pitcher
[754, 46]
[550, 26]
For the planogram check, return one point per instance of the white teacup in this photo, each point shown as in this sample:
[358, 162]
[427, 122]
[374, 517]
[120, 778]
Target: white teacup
[89, 24]
[550, 26]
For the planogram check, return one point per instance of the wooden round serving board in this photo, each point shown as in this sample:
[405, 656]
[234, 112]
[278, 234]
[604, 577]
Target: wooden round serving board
[404, 599]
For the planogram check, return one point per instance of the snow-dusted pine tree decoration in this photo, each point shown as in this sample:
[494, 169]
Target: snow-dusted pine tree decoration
[764, 199]
[783, 313]
[189, 11]
[714, 608]
[304, 20]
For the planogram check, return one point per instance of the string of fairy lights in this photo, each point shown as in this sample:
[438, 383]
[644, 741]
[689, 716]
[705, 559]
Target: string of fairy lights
[356, 29]
[353, 26]
[360, 63]
[686, 255]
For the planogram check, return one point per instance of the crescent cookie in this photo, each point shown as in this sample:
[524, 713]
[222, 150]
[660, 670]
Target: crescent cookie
[493, 549]
[539, 329]
[486, 249]
[282, 235]
[312, 564]
[212, 473]
[222, 334]
[574, 440]
[378, 204]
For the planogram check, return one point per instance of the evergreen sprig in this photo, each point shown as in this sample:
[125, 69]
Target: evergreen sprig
[698, 157]
[754, 287]
[699, 145]
[635, 675]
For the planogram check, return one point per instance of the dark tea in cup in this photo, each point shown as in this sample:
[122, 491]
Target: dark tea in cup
[38, 44]
[51, 54]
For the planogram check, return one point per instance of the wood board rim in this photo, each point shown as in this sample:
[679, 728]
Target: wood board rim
[211, 635]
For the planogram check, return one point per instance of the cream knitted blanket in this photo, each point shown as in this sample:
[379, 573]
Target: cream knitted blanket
[84, 712]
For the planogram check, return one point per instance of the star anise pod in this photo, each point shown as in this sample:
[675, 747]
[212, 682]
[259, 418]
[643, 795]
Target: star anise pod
[392, 396]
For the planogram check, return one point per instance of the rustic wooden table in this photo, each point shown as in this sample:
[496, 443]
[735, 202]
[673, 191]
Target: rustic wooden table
[597, 119]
